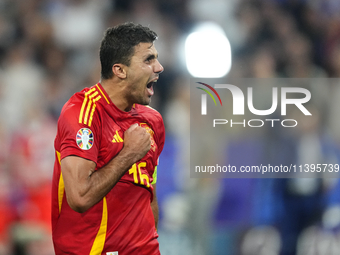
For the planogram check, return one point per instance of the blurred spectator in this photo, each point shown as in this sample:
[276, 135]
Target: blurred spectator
[22, 83]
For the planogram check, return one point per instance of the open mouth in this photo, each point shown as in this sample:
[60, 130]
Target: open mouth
[150, 84]
[149, 87]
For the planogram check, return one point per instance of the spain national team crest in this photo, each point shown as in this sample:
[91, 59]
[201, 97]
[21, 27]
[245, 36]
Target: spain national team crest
[85, 138]
[151, 132]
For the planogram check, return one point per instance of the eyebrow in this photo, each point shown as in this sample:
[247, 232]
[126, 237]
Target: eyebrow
[151, 56]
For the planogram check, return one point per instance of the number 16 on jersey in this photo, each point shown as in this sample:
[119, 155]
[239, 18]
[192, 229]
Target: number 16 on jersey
[138, 177]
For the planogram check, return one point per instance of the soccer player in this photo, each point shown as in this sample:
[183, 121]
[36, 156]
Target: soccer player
[107, 148]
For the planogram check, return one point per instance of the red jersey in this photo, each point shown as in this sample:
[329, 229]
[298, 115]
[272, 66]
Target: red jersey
[92, 127]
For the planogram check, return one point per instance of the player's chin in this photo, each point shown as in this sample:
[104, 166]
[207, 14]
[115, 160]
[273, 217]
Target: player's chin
[145, 101]
[148, 101]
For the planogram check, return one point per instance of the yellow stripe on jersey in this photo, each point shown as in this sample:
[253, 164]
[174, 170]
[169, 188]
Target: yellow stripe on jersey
[89, 106]
[93, 109]
[61, 186]
[103, 94]
[58, 156]
[61, 190]
[84, 104]
[118, 136]
[99, 241]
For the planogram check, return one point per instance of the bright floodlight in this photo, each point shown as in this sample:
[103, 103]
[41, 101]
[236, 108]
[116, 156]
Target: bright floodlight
[207, 52]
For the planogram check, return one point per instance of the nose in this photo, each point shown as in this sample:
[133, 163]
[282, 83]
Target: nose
[158, 67]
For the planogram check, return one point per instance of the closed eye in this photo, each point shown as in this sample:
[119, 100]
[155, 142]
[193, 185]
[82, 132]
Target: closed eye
[150, 58]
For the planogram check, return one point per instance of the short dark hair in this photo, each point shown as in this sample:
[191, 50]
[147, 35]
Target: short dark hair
[117, 45]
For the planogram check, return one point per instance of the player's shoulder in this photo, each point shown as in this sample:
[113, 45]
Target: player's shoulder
[149, 112]
[75, 102]
[82, 106]
[155, 120]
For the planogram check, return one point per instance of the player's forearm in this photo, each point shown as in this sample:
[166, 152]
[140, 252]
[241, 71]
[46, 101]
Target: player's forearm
[85, 187]
[91, 189]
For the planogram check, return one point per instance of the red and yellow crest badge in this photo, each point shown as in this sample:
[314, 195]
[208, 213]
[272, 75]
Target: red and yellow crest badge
[151, 132]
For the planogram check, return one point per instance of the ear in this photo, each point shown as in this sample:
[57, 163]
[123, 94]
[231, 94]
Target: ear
[119, 70]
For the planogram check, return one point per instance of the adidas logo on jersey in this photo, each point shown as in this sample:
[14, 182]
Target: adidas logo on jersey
[117, 138]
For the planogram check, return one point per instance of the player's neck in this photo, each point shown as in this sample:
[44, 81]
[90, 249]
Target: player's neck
[116, 93]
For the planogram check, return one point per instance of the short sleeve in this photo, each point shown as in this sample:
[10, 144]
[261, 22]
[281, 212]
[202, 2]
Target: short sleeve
[77, 138]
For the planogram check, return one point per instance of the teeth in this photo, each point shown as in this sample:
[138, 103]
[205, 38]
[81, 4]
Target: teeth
[149, 85]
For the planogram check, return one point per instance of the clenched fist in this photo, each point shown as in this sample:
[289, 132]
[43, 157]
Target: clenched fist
[137, 141]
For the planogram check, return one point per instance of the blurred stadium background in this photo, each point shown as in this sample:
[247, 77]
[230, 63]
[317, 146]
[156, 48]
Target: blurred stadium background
[49, 50]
